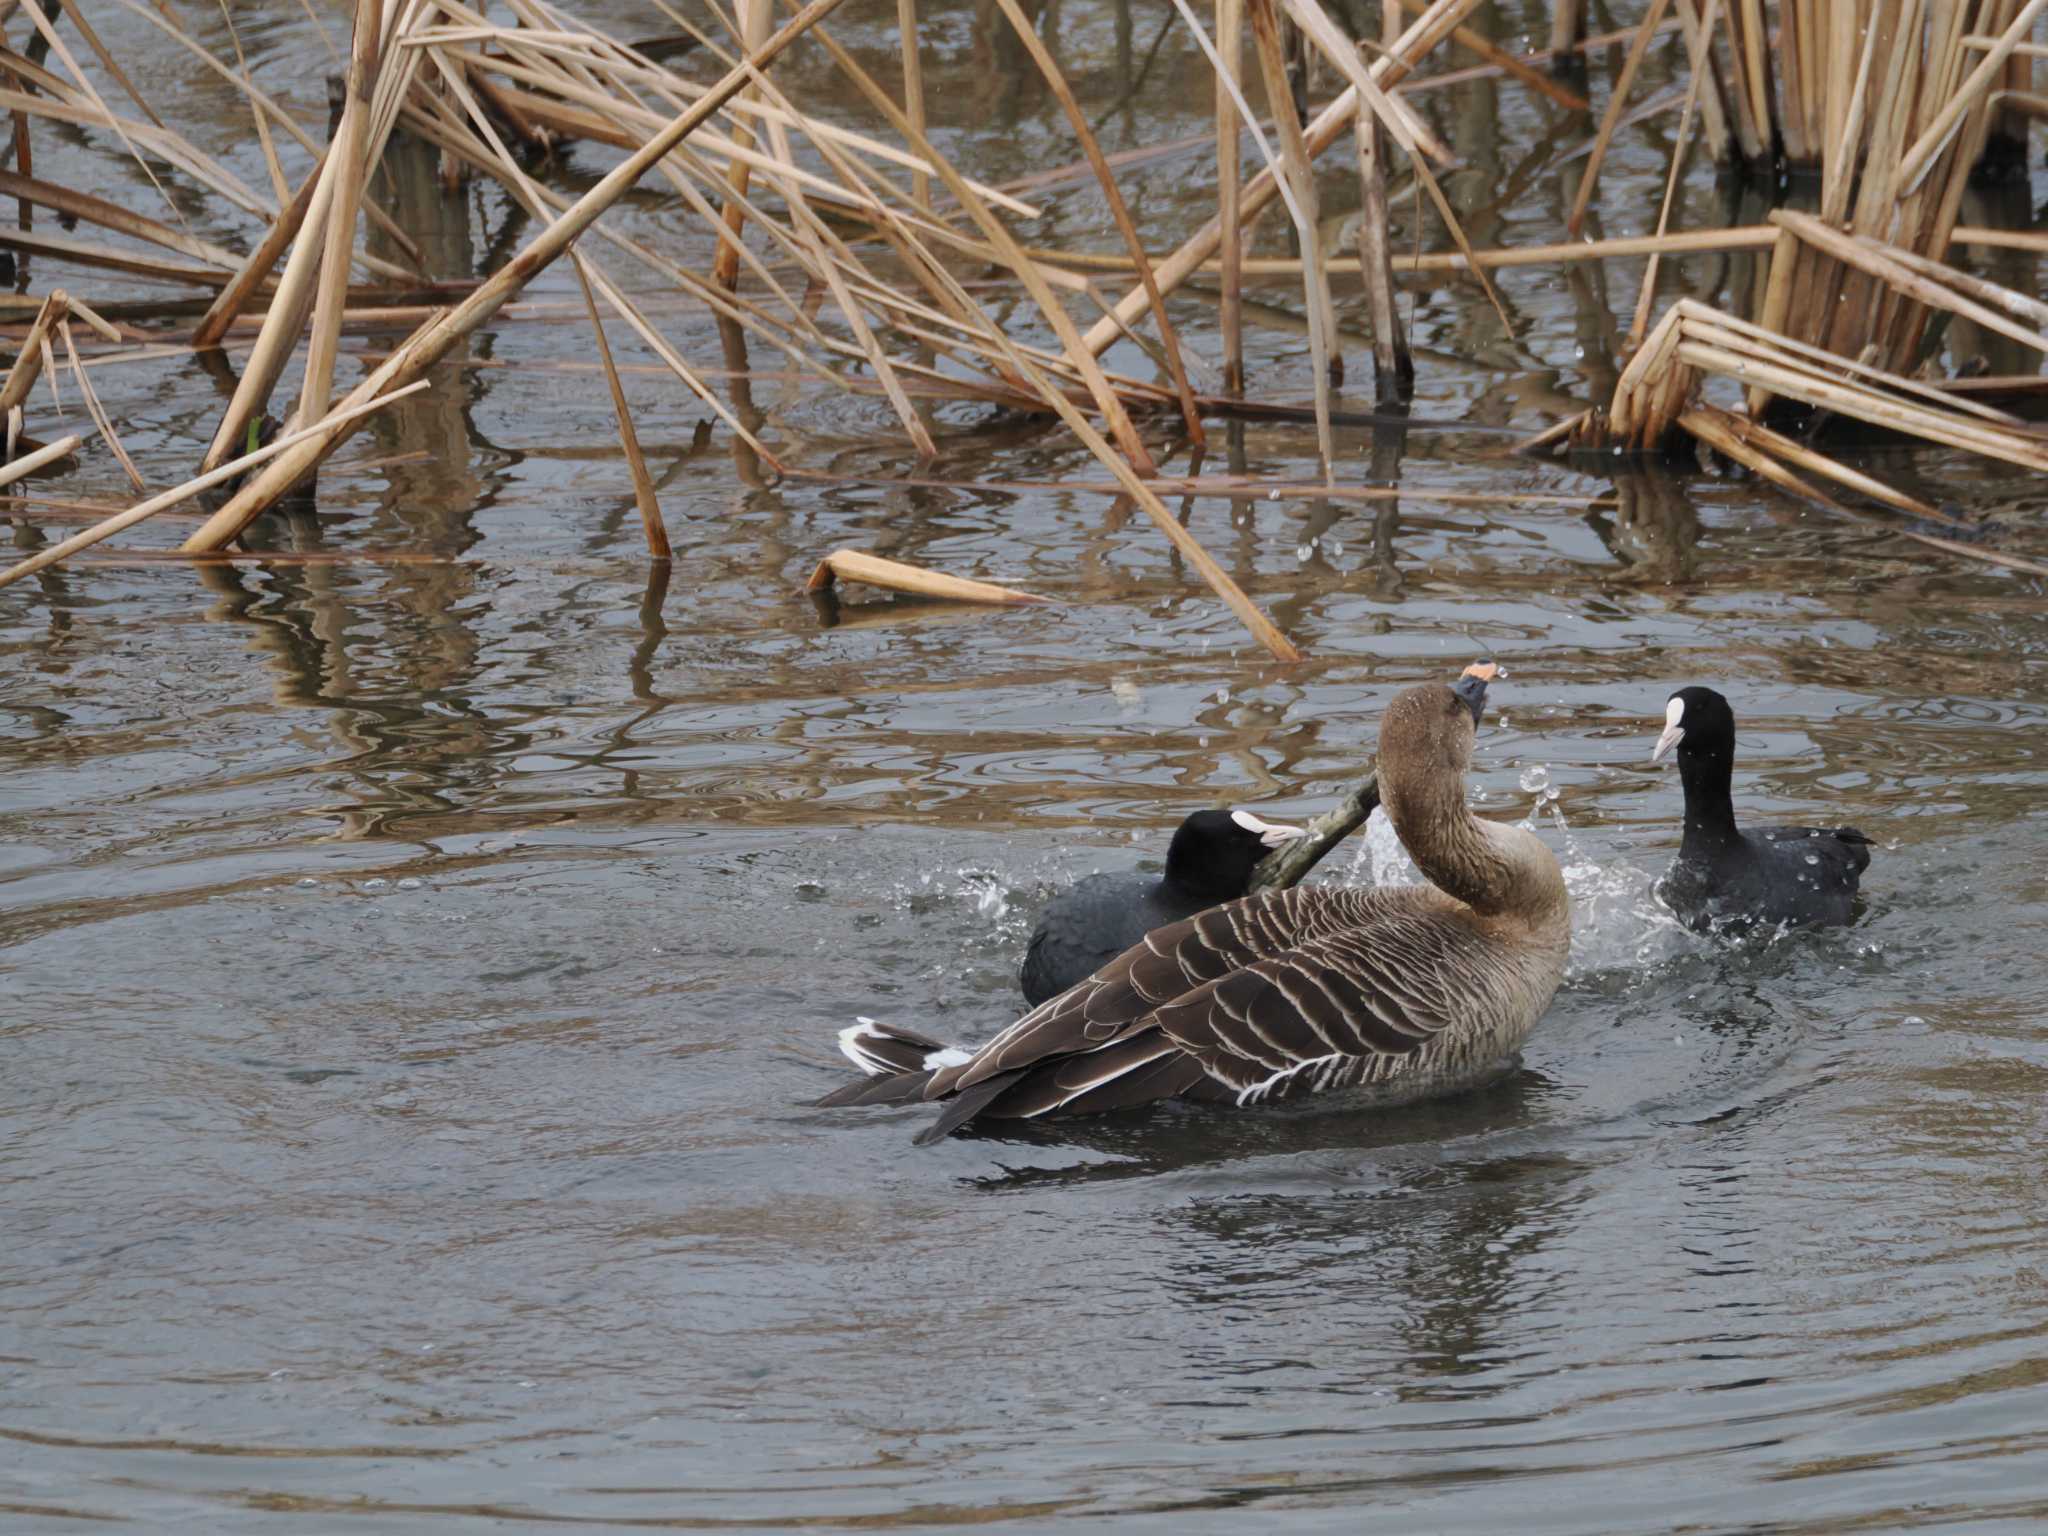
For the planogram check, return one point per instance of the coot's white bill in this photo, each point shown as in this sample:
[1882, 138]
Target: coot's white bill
[1271, 833]
[1674, 733]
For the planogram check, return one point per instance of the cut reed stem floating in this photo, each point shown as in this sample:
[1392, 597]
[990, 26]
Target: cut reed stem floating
[44, 456]
[857, 565]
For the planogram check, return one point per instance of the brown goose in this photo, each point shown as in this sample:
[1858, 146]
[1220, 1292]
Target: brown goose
[1408, 991]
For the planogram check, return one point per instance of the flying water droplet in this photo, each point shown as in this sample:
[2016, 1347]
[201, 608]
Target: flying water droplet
[1536, 778]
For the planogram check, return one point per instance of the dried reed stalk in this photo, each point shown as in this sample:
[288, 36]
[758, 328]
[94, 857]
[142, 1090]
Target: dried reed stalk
[486, 150]
[1401, 124]
[283, 322]
[1928, 282]
[651, 523]
[1710, 92]
[1567, 26]
[1107, 401]
[96, 411]
[913, 94]
[1473, 43]
[97, 210]
[856, 565]
[1798, 455]
[33, 352]
[1229, 66]
[1126, 474]
[1633, 62]
[1654, 390]
[44, 456]
[1681, 142]
[832, 260]
[1299, 183]
[756, 18]
[1393, 364]
[256, 269]
[1969, 97]
[352, 145]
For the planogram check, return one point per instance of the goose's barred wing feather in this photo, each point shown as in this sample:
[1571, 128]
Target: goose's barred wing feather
[1239, 997]
[1347, 995]
[1168, 963]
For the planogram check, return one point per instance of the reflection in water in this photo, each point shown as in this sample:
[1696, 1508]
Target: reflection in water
[1653, 531]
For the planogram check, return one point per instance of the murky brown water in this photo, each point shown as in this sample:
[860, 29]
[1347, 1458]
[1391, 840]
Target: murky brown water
[412, 973]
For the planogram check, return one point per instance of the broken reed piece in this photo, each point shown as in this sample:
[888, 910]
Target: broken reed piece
[1287, 865]
[853, 565]
[29, 463]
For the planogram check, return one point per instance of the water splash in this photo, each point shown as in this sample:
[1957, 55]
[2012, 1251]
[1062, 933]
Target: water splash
[1617, 922]
[1379, 858]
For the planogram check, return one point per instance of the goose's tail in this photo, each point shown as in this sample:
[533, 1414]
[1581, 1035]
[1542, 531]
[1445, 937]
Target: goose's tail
[897, 1062]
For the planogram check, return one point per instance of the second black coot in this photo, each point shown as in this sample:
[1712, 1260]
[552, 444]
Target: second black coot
[1093, 921]
[1724, 877]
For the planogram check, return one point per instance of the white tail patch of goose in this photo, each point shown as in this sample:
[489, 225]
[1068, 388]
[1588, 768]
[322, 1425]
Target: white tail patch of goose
[950, 1056]
[1271, 833]
[1674, 732]
[851, 1046]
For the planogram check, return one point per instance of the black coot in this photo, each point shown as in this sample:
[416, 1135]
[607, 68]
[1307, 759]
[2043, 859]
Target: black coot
[1727, 878]
[1088, 925]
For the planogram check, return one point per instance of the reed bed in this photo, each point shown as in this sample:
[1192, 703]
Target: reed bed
[852, 253]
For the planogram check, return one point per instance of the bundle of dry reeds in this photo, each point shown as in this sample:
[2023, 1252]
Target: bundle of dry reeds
[777, 187]
[1892, 106]
[846, 249]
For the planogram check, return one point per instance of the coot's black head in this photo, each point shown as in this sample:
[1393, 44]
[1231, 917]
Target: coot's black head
[1213, 851]
[1699, 723]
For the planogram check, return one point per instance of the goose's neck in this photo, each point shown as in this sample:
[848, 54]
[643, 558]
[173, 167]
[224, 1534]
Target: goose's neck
[1709, 805]
[1493, 869]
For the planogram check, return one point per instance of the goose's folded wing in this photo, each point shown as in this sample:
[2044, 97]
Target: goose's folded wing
[1379, 991]
[1169, 963]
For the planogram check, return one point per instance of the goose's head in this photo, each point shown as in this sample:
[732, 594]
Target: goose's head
[1213, 852]
[1427, 732]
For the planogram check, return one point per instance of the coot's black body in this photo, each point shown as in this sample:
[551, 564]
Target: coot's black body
[1093, 921]
[1725, 878]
